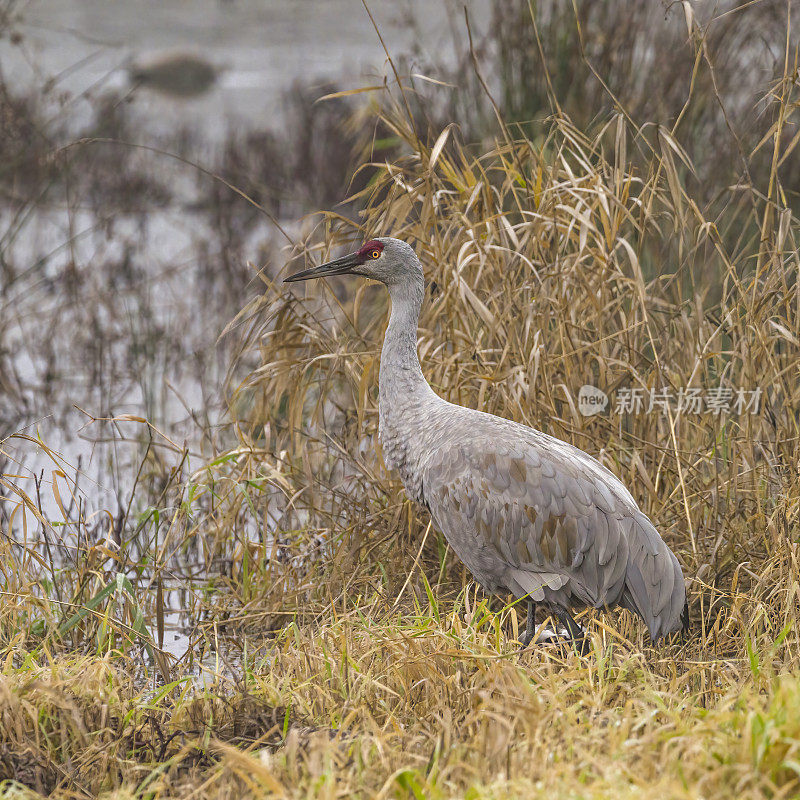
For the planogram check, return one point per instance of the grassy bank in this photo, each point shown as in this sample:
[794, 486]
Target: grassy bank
[431, 702]
[336, 647]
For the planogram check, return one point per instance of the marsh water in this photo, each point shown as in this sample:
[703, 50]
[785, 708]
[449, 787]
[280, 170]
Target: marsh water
[261, 48]
[115, 288]
[125, 274]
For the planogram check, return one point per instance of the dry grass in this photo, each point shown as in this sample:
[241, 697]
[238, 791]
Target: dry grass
[435, 703]
[360, 660]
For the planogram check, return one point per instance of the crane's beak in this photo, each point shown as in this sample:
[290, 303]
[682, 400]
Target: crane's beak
[341, 266]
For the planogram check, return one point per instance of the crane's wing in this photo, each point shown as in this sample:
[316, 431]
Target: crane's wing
[540, 517]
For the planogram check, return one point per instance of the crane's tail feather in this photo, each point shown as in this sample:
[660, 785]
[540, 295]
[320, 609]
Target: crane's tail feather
[654, 586]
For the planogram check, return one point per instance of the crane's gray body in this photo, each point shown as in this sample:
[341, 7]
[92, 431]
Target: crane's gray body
[525, 512]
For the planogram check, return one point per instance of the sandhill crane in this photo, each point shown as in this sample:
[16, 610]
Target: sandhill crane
[527, 513]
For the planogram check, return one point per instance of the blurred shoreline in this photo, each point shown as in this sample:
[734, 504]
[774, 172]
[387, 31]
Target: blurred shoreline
[260, 49]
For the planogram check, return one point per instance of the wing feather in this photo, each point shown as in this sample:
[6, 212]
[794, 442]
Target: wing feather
[533, 515]
[511, 510]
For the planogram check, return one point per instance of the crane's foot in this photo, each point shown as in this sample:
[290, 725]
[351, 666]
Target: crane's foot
[570, 633]
[546, 636]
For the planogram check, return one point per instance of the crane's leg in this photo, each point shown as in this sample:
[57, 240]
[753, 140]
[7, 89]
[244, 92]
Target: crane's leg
[530, 625]
[546, 635]
[577, 634]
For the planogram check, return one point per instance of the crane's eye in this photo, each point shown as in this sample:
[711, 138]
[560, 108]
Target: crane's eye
[375, 254]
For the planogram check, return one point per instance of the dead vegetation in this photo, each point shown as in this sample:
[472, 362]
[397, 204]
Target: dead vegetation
[349, 653]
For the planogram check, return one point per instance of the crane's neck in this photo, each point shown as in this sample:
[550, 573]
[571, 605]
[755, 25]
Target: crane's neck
[400, 369]
[406, 399]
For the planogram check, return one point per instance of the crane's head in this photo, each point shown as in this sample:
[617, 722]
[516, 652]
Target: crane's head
[387, 260]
